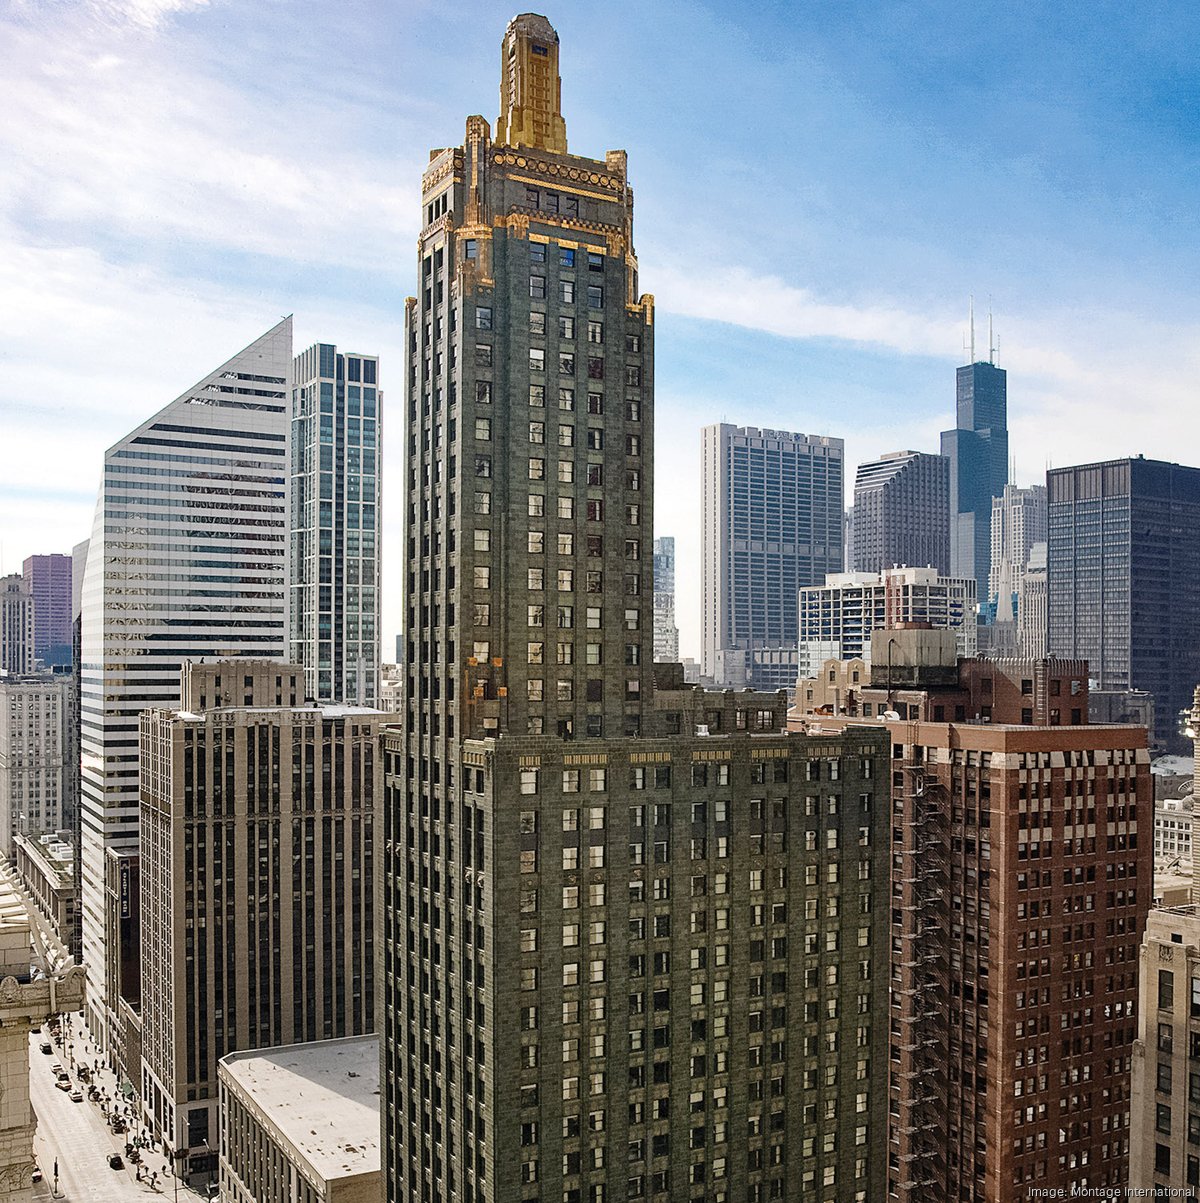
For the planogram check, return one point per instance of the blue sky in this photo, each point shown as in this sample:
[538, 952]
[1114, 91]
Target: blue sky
[819, 188]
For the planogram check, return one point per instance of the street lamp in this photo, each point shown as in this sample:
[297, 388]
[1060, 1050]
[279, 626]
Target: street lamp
[54, 1192]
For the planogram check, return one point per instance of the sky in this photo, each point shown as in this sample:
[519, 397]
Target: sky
[819, 189]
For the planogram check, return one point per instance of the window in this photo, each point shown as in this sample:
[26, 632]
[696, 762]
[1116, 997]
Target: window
[537, 432]
[595, 261]
[566, 399]
[483, 576]
[483, 392]
[537, 468]
[595, 332]
[537, 252]
[566, 363]
[566, 436]
[566, 256]
[566, 507]
[536, 542]
[1166, 989]
[537, 396]
[537, 288]
[537, 359]
[566, 292]
[595, 296]
[566, 327]
[483, 317]
[595, 367]
[537, 323]
[529, 781]
[537, 505]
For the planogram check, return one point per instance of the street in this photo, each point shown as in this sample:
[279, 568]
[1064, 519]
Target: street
[78, 1136]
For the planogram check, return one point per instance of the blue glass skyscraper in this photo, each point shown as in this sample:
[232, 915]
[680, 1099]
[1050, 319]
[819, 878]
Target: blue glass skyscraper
[977, 448]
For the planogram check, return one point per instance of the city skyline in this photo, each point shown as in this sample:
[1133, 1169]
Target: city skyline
[856, 318]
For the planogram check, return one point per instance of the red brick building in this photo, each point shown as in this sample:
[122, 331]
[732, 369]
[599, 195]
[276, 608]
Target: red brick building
[1019, 892]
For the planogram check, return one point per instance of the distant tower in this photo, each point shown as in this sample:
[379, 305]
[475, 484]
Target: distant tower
[16, 625]
[49, 580]
[977, 448]
[666, 631]
[902, 512]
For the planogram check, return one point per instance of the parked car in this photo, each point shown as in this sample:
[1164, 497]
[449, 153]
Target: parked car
[56, 1067]
[46, 1047]
[76, 1095]
[37, 1174]
[115, 1162]
[63, 1083]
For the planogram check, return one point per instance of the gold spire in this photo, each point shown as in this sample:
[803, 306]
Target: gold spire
[530, 87]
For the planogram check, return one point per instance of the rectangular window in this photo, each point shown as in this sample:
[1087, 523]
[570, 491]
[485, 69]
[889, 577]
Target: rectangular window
[537, 359]
[537, 288]
[483, 317]
[566, 363]
[595, 296]
[566, 292]
[566, 399]
[566, 327]
[537, 396]
[566, 256]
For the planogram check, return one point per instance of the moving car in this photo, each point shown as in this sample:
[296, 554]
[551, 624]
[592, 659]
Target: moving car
[76, 1095]
[46, 1047]
[63, 1083]
[115, 1162]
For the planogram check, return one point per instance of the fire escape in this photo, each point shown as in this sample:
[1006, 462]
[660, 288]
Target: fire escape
[920, 1120]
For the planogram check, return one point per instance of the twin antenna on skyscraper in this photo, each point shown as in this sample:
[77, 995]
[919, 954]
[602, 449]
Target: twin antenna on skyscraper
[993, 341]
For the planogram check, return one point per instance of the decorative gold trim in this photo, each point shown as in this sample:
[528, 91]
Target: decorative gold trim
[602, 180]
[530, 179]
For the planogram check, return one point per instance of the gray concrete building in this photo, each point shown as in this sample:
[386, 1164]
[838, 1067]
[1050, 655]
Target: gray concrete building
[631, 926]
[16, 625]
[36, 773]
[300, 1124]
[772, 523]
[256, 884]
[49, 581]
[666, 629]
[46, 866]
[902, 512]
[1163, 1138]
[335, 508]
[1018, 524]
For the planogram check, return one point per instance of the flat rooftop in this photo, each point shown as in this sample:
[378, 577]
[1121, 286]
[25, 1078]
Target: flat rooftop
[321, 1097]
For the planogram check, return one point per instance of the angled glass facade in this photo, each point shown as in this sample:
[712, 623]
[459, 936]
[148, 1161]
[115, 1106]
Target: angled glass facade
[188, 559]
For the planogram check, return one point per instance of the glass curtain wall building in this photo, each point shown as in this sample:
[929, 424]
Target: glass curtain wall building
[188, 559]
[335, 505]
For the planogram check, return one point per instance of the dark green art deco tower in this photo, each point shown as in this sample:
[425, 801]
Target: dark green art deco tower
[630, 926]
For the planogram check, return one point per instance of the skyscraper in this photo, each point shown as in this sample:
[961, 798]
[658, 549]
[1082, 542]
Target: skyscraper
[16, 625]
[35, 772]
[651, 1006]
[902, 512]
[1018, 522]
[666, 630]
[257, 883]
[335, 505]
[49, 580]
[772, 522]
[978, 452]
[1124, 579]
[188, 559]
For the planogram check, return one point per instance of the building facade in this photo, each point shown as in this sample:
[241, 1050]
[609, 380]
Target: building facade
[1033, 606]
[1021, 875]
[1173, 834]
[1018, 523]
[188, 558]
[16, 625]
[902, 512]
[1124, 579]
[977, 449]
[666, 630]
[257, 883]
[49, 581]
[46, 866]
[300, 1124]
[772, 523]
[843, 613]
[667, 1017]
[335, 508]
[1164, 1116]
[35, 769]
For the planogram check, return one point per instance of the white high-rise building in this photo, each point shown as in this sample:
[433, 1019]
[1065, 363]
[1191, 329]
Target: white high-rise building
[842, 613]
[35, 727]
[1019, 520]
[666, 630]
[16, 625]
[188, 559]
[772, 521]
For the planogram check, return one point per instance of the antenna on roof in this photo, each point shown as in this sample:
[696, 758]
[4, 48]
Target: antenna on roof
[991, 339]
[971, 312]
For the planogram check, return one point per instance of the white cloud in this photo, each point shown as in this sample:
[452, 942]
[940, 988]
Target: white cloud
[148, 14]
[135, 144]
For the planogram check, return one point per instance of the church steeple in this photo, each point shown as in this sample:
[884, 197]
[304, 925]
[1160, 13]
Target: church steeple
[530, 87]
